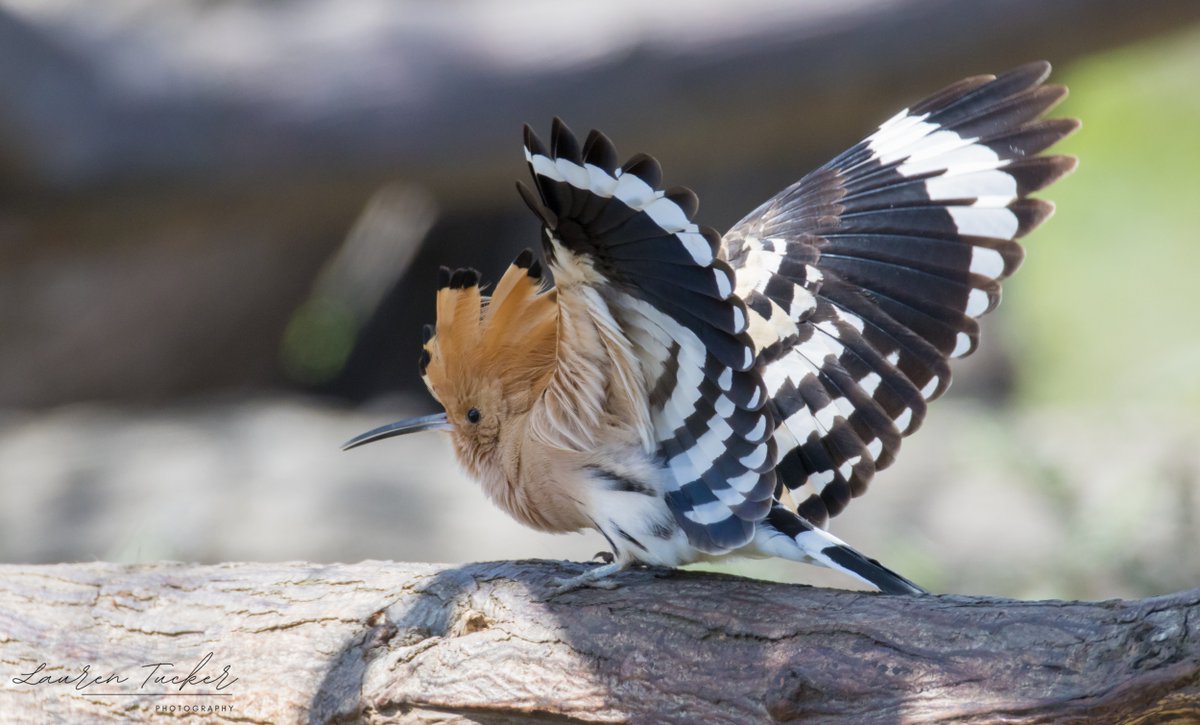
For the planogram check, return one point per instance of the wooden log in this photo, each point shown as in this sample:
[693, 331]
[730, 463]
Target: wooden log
[422, 643]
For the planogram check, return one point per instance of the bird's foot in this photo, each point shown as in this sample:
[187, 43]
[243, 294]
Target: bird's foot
[596, 578]
[605, 557]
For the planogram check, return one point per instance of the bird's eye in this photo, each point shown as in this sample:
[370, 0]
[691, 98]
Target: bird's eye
[473, 415]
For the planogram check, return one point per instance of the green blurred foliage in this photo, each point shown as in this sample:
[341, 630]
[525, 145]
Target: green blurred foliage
[317, 341]
[1105, 307]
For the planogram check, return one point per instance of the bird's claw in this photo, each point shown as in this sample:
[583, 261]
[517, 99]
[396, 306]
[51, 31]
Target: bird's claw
[605, 557]
[570, 584]
[596, 578]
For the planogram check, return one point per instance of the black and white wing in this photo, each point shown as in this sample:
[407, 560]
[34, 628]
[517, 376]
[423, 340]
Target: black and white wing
[626, 253]
[865, 277]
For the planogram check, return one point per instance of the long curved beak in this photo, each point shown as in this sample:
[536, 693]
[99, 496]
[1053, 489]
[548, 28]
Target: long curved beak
[437, 421]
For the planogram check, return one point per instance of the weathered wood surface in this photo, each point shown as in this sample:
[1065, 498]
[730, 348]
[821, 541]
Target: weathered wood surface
[421, 643]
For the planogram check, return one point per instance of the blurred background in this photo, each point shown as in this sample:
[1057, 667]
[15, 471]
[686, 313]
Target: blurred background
[220, 220]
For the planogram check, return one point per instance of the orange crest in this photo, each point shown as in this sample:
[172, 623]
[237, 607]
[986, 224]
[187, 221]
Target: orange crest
[508, 338]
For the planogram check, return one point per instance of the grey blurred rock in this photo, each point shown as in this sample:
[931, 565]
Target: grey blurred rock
[1039, 504]
[261, 481]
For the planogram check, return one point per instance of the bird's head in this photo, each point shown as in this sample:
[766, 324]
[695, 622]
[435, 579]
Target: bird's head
[486, 361]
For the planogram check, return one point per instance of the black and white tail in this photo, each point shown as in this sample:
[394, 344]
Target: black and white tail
[786, 534]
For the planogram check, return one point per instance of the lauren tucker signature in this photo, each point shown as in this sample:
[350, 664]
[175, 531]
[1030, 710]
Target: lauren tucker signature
[159, 674]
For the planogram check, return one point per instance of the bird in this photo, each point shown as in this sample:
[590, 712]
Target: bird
[694, 396]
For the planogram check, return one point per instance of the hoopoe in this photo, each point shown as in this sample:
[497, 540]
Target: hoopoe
[692, 396]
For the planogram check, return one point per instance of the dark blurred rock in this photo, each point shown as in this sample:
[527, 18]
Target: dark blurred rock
[174, 175]
[140, 303]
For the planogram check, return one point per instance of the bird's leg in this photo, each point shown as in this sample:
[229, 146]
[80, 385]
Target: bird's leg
[596, 577]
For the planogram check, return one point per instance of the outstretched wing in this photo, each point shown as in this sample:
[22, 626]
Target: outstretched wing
[641, 285]
[865, 277]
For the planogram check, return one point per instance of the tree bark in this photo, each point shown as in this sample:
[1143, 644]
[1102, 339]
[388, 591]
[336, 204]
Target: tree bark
[424, 643]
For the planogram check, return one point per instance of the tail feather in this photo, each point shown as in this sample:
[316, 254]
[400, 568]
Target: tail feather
[852, 562]
[786, 534]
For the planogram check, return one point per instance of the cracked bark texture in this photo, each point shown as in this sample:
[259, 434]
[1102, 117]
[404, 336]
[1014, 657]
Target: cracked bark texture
[425, 643]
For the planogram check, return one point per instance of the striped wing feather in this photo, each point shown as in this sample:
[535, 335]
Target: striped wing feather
[612, 232]
[868, 275]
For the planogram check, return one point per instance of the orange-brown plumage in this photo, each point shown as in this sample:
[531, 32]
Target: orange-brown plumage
[508, 337]
[488, 362]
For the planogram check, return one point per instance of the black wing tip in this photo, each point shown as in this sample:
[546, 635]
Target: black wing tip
[1054, 130]
[1030, 214]
[1050, 94]
[1009, 83]
[443, 277]
[533, 144]
[1067, 126]
[535, 269]
[1037, 71]
[1038, 172]
[685, 199]
[1064, 164]
[645, 167]
[1023, 77]
[563, 144]
[599, 151]
[535, 204]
